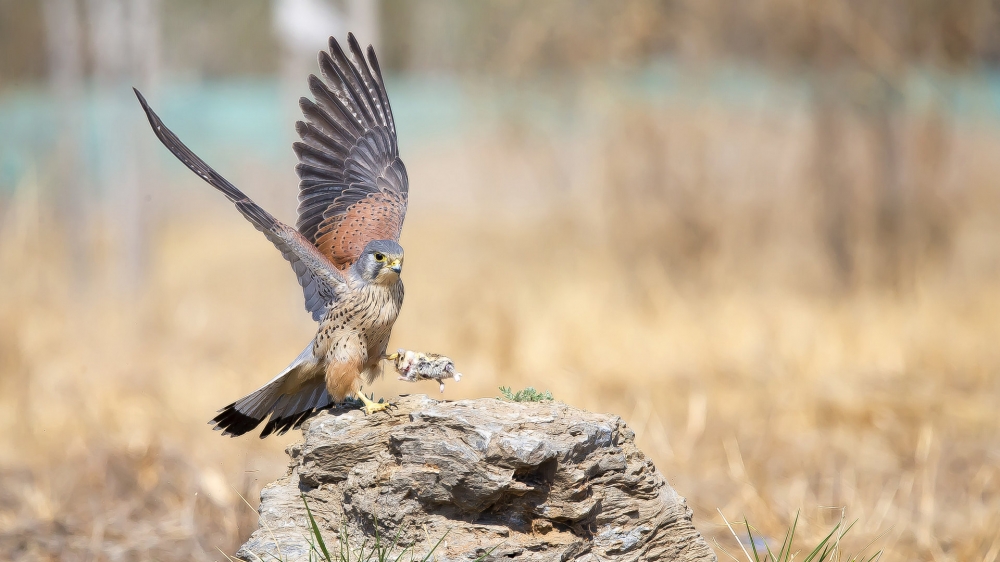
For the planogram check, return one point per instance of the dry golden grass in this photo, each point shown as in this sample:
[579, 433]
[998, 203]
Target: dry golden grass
[705, 316]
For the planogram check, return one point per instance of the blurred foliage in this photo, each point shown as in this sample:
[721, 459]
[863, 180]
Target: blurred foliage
[222, 38]
[217, 39]
[524, 38]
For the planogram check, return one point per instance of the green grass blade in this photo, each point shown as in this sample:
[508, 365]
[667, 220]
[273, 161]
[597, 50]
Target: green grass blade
[344, 544]
[877, 555]
[784, 555]
[361, 551]
[401, 553]
[828, 549]
[395, 541]
[488, 553]
[437, 544]
[753, 546]
[735, 536]
[315, 530]
[768, 556]
[822, 549]
[377, 548]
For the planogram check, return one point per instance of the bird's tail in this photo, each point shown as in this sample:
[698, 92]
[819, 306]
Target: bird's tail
[286, 408]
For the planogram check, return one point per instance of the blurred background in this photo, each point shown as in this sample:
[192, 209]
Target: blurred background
[766, 233]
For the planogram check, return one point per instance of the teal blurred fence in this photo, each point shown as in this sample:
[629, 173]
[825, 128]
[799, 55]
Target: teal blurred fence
[252, 119]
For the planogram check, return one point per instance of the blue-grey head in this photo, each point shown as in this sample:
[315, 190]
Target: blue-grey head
[381, 262]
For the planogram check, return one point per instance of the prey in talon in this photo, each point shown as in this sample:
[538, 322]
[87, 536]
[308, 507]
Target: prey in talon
[414, 366]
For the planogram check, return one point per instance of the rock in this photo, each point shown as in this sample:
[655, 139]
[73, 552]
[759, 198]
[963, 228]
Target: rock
[532, 481]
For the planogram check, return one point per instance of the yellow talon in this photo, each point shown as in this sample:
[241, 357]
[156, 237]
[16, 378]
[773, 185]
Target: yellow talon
[372, 407]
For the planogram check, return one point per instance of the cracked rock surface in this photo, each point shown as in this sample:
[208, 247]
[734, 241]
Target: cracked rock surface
[531, 481]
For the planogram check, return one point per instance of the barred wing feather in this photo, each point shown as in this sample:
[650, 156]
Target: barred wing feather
[353, 186]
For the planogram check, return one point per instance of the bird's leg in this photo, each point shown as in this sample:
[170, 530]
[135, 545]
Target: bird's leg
[372, 407]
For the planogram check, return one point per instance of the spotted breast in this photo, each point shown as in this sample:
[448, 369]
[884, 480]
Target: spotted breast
[353, 336]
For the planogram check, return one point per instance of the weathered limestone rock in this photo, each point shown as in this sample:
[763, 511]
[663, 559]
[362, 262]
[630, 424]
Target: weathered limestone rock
[533, 481]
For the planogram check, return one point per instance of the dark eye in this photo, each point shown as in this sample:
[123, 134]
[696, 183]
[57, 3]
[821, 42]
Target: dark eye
[379, 256]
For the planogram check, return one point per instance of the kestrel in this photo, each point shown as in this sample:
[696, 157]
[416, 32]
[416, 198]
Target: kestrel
[344, 249]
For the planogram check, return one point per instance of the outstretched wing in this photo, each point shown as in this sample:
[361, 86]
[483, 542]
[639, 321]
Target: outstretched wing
[353, 185]
[318, 278]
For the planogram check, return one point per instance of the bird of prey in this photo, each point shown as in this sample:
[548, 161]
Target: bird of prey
[344, 249]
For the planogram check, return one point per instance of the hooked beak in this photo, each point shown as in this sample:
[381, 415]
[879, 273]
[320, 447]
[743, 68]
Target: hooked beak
[396, 266]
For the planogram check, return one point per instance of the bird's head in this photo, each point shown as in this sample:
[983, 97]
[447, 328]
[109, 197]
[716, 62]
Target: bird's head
[381, 262]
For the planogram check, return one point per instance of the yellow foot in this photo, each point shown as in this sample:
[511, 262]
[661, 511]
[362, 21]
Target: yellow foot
[372, 407]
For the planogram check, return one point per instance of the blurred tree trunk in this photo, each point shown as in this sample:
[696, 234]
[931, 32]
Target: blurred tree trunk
[893, 263]
[837, 205]
[849, 45]
[124, 40]
[831, 106]
[931, 155]
[303, 28]
[143, 45]
[68, 171]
